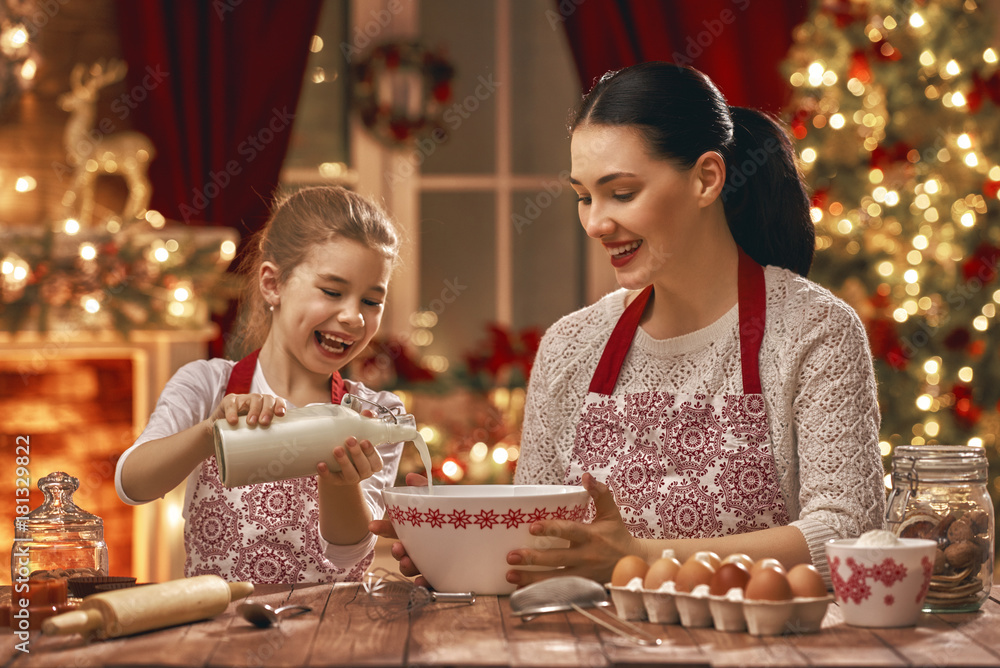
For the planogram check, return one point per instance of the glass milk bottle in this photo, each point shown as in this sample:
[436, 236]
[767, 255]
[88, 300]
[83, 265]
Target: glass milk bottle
[292, 445]
[939, 492]
[58, 538]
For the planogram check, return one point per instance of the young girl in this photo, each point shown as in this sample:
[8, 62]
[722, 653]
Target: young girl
[719, 401]
[315, 296]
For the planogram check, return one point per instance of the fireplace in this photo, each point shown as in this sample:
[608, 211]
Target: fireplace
[79, 400]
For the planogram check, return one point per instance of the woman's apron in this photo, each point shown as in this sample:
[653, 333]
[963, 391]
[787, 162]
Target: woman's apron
[683, 465]
[266, 532]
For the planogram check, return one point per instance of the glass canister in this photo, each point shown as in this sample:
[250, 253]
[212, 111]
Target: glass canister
[939, 492]
[58, 538]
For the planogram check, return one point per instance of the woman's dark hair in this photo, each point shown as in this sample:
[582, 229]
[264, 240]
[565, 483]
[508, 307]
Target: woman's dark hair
[681, 115]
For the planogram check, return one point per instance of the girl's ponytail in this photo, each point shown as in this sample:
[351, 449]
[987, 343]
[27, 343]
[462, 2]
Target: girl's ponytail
[765, 198]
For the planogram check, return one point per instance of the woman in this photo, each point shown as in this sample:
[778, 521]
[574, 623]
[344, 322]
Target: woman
[719, 401]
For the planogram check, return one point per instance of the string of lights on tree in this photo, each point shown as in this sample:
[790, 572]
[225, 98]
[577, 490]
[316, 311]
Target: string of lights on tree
[896, 117]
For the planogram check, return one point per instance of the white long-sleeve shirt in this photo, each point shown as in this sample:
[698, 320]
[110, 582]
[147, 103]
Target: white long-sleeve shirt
[266, 532]
[818, 385]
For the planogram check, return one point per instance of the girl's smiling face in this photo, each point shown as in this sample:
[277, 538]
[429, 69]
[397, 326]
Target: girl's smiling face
[643, 210]
[331, 304]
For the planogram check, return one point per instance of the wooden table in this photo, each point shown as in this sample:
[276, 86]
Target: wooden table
[346, 629]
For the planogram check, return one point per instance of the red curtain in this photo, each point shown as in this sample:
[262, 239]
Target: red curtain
[214, 84]
[738, 43]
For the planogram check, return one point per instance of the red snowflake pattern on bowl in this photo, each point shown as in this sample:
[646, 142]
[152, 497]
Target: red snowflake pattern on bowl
[856, 588]
[484, 518]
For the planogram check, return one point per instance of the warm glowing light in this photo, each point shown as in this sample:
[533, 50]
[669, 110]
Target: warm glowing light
[176, 309]
[879, 194]
[816, 214]
[837, 121]
[182, 294]
[931, 215]
[20, 273]
[884, 448]
[797, 79]
[932, 428]
[965, 374]
[989, 310]
[829, 78]
[885, 268]
[500, 454]
[932, 186]
[844, 226]
[809, 155]
[924, 402]
[91, 305]
[816, 71]
[996, 296]
[892, 198]
[916, 20]
[922, 201]
[968, 219]
[450, 468]
[876, 176]
[7, 267]
[227, 251]
[155, 218]
[428, 433]
[88, 251]
[25, 184]
[981, 323]
[161, 254]
[958, 99]
[952, 67]
[990, 56]
[316, 45]
[889, 23]
[421, 338]
[900, 315]
[887, 480]
[513, 452]
[971, 160]
[29, 69]
[920, 242]
[976, 442]
[914, 257]
[927, 58]
[932, 366]
[479, 451]
[71, 226]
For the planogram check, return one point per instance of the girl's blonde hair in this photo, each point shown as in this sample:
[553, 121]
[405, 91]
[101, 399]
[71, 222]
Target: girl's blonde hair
[298, 223]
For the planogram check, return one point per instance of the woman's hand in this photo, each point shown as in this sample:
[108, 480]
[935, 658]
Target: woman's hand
[594, 548]
[383, 528]
[358, 461]
[259, 408]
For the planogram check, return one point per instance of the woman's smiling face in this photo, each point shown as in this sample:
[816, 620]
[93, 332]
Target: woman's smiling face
[643, 209]
[331, 305]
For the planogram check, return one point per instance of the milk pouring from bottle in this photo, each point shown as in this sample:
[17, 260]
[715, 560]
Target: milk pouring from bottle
[292, 445]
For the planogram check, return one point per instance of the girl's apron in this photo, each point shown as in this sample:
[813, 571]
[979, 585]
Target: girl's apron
[266, 532]
[683, 466]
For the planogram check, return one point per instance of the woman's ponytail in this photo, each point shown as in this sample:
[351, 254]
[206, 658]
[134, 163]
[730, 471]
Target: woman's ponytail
[765, 198]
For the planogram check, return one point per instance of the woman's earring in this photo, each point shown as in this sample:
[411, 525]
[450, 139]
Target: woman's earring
[271, 308]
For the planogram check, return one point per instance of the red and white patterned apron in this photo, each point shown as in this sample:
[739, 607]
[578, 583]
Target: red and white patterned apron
[683, 466]
[265, 532]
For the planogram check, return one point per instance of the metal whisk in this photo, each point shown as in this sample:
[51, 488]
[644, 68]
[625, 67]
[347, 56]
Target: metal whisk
[390, 595]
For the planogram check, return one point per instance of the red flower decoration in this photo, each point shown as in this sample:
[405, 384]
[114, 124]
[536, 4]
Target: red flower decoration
[886, 345]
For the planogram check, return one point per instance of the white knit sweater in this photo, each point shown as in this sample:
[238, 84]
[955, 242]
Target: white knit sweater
[818, 385]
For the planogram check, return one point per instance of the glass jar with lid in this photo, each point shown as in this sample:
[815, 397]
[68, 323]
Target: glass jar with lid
[59, 538]
[939, 492]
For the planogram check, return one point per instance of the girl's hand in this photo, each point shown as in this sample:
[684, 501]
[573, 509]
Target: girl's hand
[594, 548]
[364, 462]
[259, 408]
[383, 528]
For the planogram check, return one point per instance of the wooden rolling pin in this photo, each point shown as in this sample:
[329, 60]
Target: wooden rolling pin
[123, 612]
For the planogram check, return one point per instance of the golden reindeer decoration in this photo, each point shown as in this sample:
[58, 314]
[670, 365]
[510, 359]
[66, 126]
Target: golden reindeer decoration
[93, 151]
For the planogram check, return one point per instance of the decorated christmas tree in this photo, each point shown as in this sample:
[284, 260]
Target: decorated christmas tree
[896, 113]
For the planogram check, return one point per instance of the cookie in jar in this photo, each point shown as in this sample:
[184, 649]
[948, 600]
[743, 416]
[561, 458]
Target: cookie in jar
[939, 492]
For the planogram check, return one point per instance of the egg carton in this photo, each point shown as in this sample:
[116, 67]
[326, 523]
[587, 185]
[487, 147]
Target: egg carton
[699, 609]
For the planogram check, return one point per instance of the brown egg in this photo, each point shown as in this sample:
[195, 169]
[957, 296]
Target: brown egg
[729, 576]
[710, 558]
[767, 562]
[739, 558]
[627, 568]
[662, 570]
[806, 582]
[768, 584]
[694, 572]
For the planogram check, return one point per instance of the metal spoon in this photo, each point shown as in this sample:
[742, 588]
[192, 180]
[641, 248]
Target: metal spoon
[262, 615]
[571, 592]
